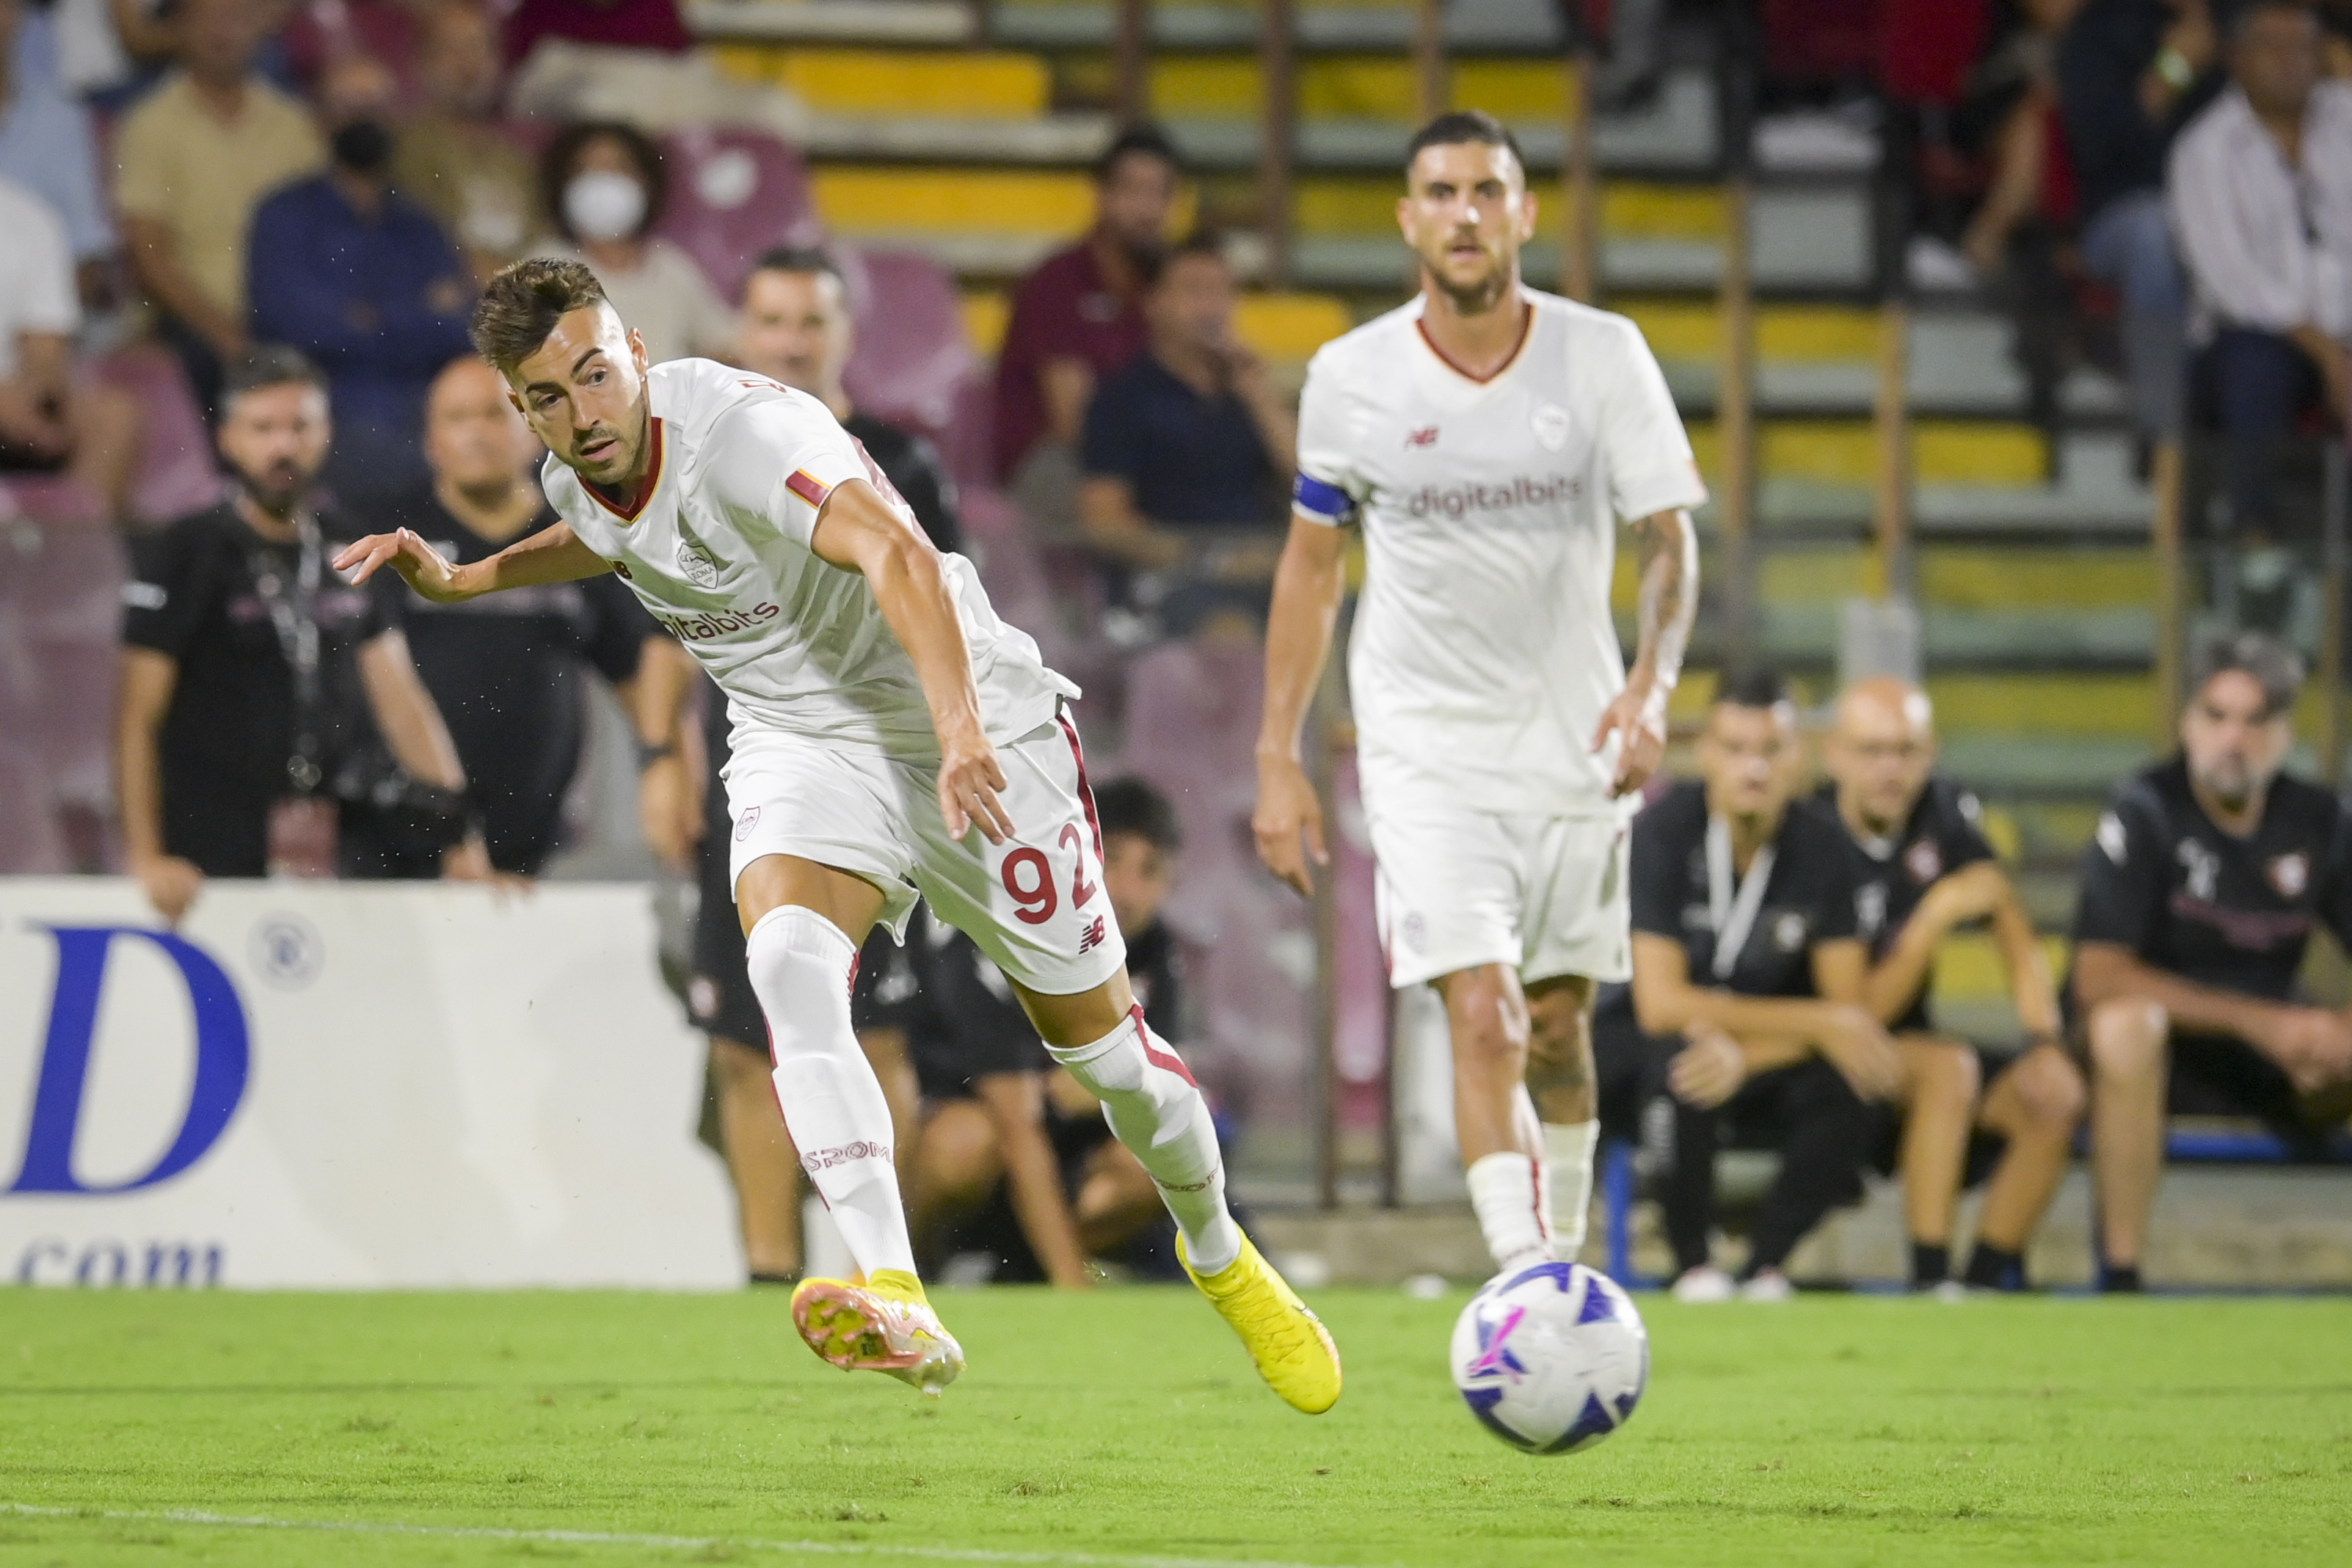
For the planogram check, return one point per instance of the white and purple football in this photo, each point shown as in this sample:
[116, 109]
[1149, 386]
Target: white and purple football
[1551, 1359]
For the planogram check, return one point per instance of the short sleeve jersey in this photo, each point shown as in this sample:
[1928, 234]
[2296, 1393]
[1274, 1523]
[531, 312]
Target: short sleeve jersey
[1944, 833]
[505, 671]
[2161, 878]
[1809, 898]
[1484, 649]
[716, 546]
[196, 595]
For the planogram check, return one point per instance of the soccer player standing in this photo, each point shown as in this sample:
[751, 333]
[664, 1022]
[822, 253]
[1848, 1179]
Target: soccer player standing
[892, 738]
[1487, 437]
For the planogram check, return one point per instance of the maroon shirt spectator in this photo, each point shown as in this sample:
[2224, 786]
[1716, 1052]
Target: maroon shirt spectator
[1079, 316]
[321, 32]
[619, 24]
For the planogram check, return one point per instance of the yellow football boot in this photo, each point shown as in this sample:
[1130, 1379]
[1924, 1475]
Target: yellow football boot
[883, 1325]
[1292, 1348]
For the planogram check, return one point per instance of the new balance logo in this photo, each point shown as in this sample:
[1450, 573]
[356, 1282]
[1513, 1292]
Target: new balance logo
[1425, 436]
[1095, 935]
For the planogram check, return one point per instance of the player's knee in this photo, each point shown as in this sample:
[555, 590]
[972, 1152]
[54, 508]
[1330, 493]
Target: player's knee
[1490, 1021]
[2051, 1095]
[2127, 1038]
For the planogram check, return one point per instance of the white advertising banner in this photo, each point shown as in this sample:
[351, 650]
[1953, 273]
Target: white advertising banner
[313, 1085]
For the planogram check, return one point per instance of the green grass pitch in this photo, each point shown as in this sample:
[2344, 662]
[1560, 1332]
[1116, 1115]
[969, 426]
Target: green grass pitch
[1126, 1428]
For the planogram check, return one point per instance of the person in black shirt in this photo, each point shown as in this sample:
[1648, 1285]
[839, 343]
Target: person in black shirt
[2200, 892]
[796, 330]
[505, 670]
[1749, 974]
[1927, 870]
[223, 766]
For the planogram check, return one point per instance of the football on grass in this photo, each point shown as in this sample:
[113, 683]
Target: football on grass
[1551, 1359]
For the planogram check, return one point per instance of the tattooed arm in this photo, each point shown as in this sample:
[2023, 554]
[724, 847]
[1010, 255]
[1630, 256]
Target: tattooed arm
[1668, 549]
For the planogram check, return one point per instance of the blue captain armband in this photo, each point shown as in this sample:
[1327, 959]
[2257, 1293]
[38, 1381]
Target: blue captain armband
[1324, 503]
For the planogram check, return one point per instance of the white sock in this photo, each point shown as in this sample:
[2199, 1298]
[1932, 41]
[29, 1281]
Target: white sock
[1568, 1182]
[1503, 1189]
[833, 1107]
[1157, 1111]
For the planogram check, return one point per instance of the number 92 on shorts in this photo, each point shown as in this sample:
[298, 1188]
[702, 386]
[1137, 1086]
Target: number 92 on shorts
[1035, 904]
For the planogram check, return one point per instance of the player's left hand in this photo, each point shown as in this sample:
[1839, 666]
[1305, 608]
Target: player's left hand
[419, 564]
[969, 779]
[1638, 719]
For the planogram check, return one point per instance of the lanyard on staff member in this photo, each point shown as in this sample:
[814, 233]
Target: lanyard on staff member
[293, 616]
[1732, 912]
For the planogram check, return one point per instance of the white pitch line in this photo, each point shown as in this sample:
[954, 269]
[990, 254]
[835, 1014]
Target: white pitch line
[615, 1538]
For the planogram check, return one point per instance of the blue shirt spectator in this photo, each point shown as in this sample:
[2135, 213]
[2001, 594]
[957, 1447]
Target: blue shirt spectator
[363, 281]
[1189, 458]
[45, 141]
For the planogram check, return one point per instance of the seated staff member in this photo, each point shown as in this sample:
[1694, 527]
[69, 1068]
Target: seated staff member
[1927, 870]
[506, 670]
[2199, 892]
[1747, 979]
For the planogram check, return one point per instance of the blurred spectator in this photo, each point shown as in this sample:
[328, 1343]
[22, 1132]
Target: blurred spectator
[2199, 896]
[603, 184]
[48, 423]
[2262, 201]
[455, 157]
[269, 716]
[1077, 318]
[796, 329]
[1749, 985]
[506, 670]
[2011, 100]
[363, 281]
[616, 24]
[1927, 870]
[1188, 443]
[2129, 72]
[194, 159]
[47, 146]
[319, 33]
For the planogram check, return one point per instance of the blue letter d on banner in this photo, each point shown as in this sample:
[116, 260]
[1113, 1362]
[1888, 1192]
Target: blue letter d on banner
[222, 1057]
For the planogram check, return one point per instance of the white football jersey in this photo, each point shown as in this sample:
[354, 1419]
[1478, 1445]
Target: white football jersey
[1484, 650]
[718, 550]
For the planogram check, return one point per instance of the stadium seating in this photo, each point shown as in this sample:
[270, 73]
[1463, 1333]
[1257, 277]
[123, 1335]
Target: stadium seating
[733, 193]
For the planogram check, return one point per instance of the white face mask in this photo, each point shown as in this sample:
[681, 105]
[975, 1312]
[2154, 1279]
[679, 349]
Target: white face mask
[603, 204]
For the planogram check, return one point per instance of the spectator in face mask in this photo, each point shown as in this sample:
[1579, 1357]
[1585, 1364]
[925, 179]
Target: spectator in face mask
[364, 282]
[602, 182]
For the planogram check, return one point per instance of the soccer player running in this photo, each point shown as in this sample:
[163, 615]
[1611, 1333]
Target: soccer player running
[1485, 437]
[892, 738]
[1927, 870]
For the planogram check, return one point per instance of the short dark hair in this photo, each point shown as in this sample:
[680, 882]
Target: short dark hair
[805, 259]
[2275, 667]
[1138, 141]
[269, 365]
[2234, 27]
[1130, 805]
[522, 304]
[1458, 126]
[1199, 243]
[1756, 686]
[559, 162]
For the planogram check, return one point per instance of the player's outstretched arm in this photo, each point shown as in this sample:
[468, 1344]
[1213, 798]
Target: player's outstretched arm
[1668, 565]
[858, 531]
[1307, 586]
[551, 555]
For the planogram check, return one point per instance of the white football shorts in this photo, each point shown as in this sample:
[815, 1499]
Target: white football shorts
[1458, 888]
[1035, 904]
